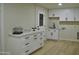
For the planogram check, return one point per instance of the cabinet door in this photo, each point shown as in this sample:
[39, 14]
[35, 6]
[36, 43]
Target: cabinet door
[67, 15]
[50, 13]
[70, 14]
[52, 35]
[35, 45]
[63, 15]
[49, 34]
[35, 42]
[55, 34]
[69, 33]
[15, 45]
[54, 13]
[76, 14]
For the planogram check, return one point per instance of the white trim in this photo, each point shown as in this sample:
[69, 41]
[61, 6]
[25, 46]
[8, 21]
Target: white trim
[75, 40]
[2, 27]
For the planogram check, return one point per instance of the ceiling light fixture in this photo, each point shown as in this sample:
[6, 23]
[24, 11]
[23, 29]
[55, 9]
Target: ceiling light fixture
[60, 4]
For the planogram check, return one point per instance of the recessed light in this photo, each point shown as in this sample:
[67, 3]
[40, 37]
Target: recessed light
[60, 4]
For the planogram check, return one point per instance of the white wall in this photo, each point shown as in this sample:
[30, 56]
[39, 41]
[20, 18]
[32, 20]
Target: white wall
[0, 27]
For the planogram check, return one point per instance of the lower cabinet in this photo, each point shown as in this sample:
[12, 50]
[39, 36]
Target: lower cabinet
[26, 44]
[52, 34]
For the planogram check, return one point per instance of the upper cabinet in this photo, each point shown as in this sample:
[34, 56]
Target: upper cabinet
[65, 14]
[76, 14]
[54, 13]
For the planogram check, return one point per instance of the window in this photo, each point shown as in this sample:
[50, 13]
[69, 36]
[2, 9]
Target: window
[40, 19]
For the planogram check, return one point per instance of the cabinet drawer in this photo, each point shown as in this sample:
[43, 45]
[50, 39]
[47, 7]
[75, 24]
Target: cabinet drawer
[27, 39]
[27, 44]
[27, 49]
[26, 52]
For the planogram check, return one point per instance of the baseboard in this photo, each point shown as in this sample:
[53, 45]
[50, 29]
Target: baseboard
[75, 40]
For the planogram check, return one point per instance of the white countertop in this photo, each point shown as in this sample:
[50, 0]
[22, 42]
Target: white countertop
[25, 33]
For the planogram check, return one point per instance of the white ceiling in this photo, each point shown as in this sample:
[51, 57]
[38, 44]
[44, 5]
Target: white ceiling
[55, 5]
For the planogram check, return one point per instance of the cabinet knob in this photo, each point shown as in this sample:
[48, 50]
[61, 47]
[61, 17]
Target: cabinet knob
[53, 14]
[40, 43]
[26, 51]
[35, 38]
[40, 33]
[26, 37]
[74, 18]
[40, 38]
[66, 18]
[27, 43]
[51, 33]
[35, 35]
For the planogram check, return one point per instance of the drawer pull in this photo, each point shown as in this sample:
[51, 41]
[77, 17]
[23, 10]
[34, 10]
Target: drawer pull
[26, 37]
[66, 18]
[41, 38]
[40, 43]
[26, 43]
[51, 33]
[40, 33]
[27, 51]
[35, 35]
[35, 38]
[74, 18]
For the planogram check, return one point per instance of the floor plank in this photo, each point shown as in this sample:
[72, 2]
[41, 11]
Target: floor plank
[60, 47]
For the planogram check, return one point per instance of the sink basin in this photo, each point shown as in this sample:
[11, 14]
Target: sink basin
[17, 33]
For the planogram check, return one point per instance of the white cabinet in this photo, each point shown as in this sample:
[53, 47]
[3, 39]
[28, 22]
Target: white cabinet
[54, 13]
[55, 34]
[52, 34]
[63, 14]
[48, 34]
[67, 15]
[20, 45]
[26, 44]
[36, 41]
[76, 14]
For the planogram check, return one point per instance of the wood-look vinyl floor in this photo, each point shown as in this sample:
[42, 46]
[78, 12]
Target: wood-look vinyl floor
[53, 47]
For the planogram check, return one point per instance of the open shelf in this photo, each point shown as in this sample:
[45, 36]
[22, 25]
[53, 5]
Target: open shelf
[54, 18]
